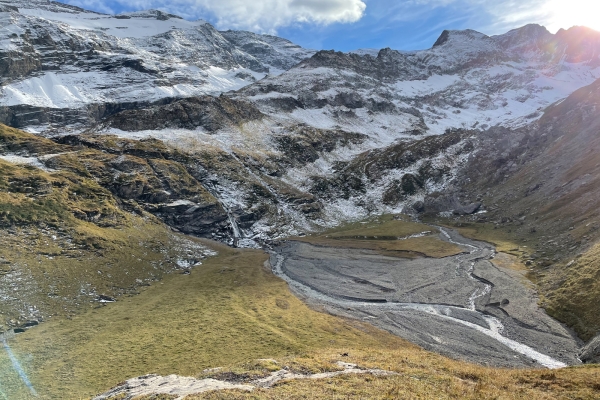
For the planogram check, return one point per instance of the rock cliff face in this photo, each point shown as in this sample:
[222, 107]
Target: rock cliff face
[207, 112]
[339, 136]
[55, 58]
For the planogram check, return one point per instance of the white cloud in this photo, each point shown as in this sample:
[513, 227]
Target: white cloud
[255, 15]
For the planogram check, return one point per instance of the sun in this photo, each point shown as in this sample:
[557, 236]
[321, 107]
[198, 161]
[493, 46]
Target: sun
[568, 13]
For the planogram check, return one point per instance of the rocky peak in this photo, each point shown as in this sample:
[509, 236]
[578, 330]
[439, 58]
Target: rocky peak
[453, 36]
[580, 44]
[5, 8]
[149, 14]
[528, 37]
[55, 58]
[44, 5]
[275, 51]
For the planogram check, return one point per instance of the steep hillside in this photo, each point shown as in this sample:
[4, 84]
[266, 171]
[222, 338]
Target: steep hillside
[363, 134]
[68, 243]
[540, 185]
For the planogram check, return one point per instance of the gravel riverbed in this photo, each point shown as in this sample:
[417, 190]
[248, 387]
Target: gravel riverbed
[462, 306]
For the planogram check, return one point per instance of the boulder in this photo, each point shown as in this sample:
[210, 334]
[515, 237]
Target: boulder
[590, 353]
[468, 209]
[195, 219]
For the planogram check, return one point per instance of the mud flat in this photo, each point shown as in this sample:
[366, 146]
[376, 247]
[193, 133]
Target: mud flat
[462, 306]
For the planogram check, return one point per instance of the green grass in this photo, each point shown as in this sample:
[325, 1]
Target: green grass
[64, 237]
[383, 227]
[575, 301]
[230, 313]
[382, 234]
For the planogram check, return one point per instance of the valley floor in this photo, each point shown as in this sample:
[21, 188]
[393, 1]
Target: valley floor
[462, 306]
[232, 320]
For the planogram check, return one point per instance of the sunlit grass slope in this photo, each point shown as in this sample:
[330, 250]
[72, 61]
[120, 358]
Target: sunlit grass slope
[575, 298]
[389, 235]
[228, 311]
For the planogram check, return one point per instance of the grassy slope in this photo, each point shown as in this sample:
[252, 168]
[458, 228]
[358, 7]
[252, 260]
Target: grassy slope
[231, 312]
[573, 293]
[64, 240]
[381, 234]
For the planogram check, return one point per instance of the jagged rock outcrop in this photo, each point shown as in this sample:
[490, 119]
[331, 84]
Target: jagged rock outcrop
[208, 112]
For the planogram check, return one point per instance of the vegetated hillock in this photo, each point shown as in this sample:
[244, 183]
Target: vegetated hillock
[67, 242]
[541, 186]
[388, 235]
[85, 200]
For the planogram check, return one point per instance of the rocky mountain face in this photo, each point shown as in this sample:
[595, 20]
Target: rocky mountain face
[364, 134]
[245, 138]
[61, 65]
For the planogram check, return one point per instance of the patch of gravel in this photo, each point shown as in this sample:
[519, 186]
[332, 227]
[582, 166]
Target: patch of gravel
[461, 306]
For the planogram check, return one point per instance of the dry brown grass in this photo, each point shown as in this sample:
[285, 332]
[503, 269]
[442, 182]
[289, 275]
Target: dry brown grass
[229, 311]
[575, 301]
[422, 375]
[232, 311]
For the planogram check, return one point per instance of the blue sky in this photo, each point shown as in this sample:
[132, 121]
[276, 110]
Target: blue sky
[350, 24]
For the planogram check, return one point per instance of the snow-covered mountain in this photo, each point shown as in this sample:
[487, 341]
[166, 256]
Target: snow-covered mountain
[466, 79]
[55, 56]
[367, 134]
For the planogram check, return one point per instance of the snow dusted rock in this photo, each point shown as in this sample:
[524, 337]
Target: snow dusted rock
[208, 112]
[466, 79]
[277, 53]
[55, 57]
[352, 134]
[283, 138]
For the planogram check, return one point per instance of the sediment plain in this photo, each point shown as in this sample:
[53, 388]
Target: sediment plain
[463, 306]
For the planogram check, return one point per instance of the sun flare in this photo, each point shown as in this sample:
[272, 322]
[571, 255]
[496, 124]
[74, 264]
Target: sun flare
[568, 13]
